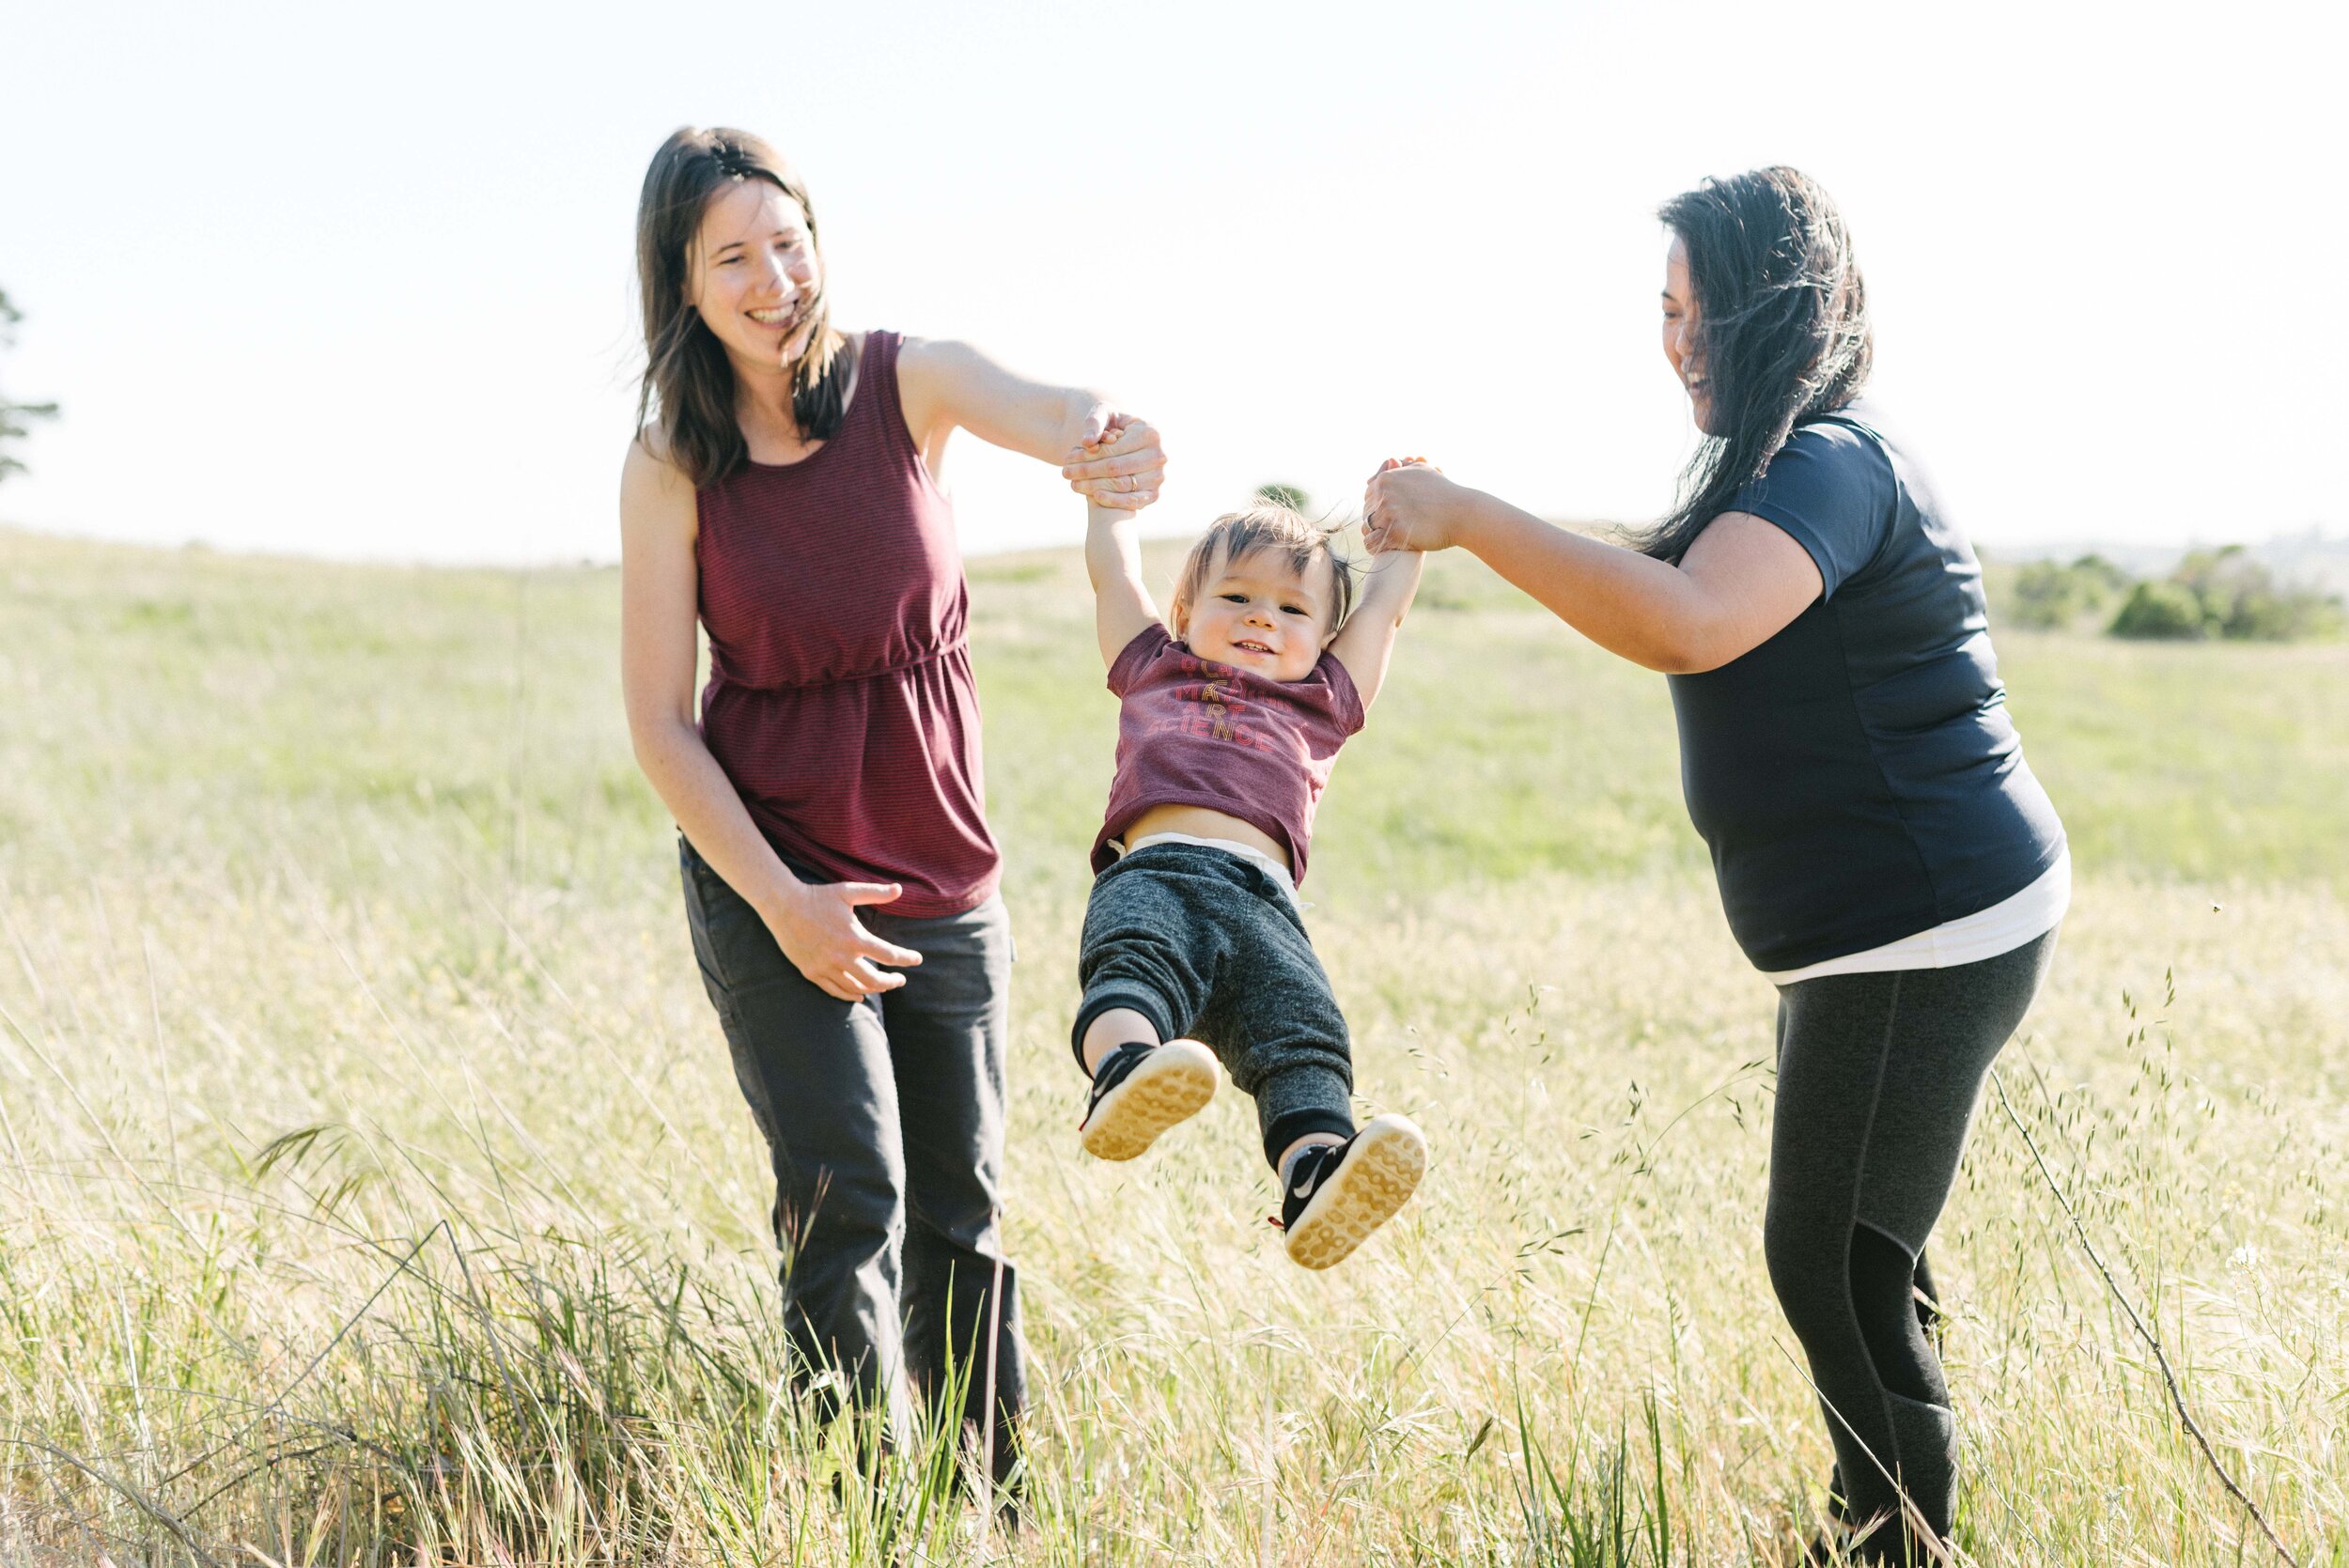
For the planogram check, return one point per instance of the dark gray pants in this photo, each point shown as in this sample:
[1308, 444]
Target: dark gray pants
[885, 1121]
[1209, 947]
[1878, 1079]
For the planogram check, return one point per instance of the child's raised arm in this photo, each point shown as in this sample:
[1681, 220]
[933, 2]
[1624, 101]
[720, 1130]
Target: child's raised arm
[1122, 607]
[1366, 641]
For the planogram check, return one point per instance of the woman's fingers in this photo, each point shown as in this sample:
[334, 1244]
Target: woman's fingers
[855, 981]
[1099, 419]
[1113, 463]
[1122, 484]
[840, 956]
[836, 987]
[882, 951]
[1121, 501]
[1128, 433]
[1124, 435]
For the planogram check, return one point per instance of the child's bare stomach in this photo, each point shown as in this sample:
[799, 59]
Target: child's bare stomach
[1202, 822]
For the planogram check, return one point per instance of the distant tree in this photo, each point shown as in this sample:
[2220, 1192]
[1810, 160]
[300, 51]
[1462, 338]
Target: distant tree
[13, 415]
[1291, 496]
[2242, 598]
[2161, 612]
[2050, 596]
[2227, 593]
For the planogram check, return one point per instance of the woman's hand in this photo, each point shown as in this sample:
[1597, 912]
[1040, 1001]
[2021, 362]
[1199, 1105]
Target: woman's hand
[1410, 504]
[1118, 463]
[817, 930]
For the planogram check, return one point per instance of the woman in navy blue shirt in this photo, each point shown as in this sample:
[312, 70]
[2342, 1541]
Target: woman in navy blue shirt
[1885, 856]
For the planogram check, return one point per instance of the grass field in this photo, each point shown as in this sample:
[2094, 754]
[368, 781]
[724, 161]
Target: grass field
[375, 1188]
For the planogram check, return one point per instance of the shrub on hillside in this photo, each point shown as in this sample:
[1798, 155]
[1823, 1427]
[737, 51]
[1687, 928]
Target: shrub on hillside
[2160, 612]
[2244, 600]
[2049, 596]
[2225, 593]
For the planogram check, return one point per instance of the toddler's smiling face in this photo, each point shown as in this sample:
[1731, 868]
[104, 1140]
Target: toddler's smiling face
[1259, 613]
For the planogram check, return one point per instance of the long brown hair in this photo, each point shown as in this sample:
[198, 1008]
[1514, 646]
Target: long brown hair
[1783, 329]
[688, 381]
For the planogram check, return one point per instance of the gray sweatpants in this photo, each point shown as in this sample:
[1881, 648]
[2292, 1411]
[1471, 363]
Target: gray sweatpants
[1208, 946]
[1878, 1079]
[884, 1119]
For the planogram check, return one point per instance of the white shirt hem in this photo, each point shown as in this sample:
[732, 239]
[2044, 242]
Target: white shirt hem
[1968, 940]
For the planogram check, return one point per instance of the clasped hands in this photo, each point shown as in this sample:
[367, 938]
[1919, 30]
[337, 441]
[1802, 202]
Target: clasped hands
[1408, 503]
[1118, 461]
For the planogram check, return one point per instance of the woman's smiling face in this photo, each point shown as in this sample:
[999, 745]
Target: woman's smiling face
[755, 273]
[1680, 332]
[1258, 614]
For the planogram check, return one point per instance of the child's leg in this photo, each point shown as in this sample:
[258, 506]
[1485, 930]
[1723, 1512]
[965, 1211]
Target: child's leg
[1337, 1185]
[1111, 1028]
[1147, 961]
[1277, 1026]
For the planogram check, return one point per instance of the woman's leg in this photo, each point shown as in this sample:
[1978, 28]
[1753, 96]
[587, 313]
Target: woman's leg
[947, 1028]
[1878, 1079]
[817, 1075]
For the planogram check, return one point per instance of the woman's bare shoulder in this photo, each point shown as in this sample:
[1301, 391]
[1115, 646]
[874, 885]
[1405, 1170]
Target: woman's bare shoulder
[650, 445]
[653, 488]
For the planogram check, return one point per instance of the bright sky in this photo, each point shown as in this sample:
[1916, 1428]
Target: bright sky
[357, 281]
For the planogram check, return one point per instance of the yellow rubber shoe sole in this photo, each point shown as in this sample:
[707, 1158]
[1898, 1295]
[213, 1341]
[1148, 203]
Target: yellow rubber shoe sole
[1174, 1083]
[1369, 1187]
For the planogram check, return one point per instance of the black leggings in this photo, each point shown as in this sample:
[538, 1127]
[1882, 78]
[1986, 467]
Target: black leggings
[1877, 1078]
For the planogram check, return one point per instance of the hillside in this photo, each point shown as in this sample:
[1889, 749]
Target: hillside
[375, 1187]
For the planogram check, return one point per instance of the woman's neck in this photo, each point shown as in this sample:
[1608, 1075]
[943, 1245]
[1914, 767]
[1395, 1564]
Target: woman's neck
[762, 402]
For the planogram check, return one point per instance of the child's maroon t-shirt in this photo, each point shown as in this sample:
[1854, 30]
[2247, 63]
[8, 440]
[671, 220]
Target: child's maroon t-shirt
[1196, 733]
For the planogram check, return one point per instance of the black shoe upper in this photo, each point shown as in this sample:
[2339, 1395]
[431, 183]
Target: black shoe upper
[1115, 1068]
[1307, 1172]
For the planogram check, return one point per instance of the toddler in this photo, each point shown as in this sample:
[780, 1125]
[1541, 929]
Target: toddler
[1193, 947]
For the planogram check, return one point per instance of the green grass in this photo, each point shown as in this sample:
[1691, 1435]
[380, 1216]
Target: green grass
[373, 1184]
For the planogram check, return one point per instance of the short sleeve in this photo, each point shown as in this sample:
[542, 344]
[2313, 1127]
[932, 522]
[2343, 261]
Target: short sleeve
[1831, 488]
[1137, 656]
[1346, 698]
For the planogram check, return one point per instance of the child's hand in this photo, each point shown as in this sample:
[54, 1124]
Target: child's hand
[1410, 504]
[1119, 463]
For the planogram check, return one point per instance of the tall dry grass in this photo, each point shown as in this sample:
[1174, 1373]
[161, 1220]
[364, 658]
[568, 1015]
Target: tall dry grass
[375, 1189]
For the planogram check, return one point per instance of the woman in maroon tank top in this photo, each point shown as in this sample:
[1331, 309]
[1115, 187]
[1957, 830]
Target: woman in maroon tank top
[839, 875]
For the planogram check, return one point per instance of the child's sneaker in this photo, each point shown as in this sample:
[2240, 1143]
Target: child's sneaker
[1338, 1193]
[1140, 1090]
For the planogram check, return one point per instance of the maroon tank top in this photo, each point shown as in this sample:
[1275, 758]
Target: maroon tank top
[840, 701]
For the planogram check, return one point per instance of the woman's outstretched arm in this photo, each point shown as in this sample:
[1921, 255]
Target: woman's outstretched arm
[1108, 454]
[1742, 581]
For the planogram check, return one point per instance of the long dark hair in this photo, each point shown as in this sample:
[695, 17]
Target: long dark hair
[688, 379]
[1781, 331]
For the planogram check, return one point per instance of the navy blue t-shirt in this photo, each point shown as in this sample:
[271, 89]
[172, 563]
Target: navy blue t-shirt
[1857, 777]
